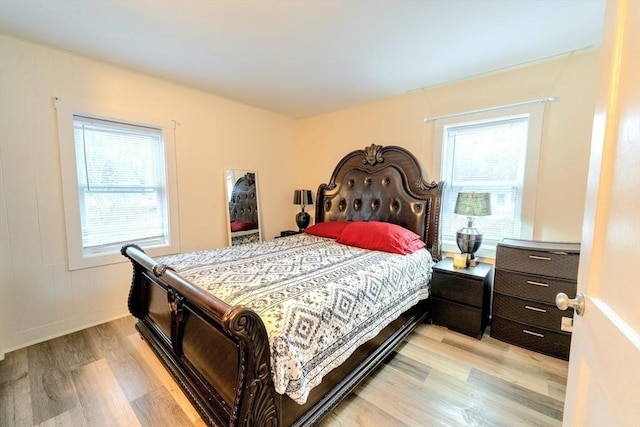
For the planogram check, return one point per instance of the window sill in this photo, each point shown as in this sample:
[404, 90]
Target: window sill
[486, 252]
[83, 261]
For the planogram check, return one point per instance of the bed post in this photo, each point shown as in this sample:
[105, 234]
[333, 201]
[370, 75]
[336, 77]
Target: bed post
[256, 403]
[137, 295]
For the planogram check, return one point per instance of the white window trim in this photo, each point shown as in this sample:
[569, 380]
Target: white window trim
[66, 108]
[530, 182]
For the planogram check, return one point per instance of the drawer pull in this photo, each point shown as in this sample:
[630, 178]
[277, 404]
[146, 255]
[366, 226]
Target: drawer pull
[535, 334]
[541, 310]
[531, 282]
[542, 258]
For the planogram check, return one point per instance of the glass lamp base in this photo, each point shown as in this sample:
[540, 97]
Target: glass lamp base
[469, 241]
[302, 220]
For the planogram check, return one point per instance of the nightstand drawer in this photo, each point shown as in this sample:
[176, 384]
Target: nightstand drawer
[458, 317]
[545, 263]
[460, 289]
[554, 344]
[532, 287]
[530, 312]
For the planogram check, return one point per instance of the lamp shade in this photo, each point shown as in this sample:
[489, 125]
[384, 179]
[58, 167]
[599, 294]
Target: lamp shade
[473, 204]
[302, 197]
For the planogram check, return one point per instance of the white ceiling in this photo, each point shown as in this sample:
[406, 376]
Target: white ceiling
[303, 58]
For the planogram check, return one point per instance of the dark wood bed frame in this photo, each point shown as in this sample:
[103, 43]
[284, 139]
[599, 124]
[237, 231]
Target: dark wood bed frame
[219, 354]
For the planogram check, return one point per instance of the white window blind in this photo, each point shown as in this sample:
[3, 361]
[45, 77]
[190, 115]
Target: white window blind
[121, 184]
[486, 157]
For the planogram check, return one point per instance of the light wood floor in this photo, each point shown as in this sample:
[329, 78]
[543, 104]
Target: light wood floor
[107, 375]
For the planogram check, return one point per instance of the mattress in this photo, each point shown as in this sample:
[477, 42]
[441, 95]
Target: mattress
[318, 299]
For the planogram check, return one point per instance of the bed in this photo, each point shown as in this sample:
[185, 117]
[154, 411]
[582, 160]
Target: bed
[223, 354]
[243, 211]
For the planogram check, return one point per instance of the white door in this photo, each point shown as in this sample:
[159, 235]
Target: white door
[604, 368]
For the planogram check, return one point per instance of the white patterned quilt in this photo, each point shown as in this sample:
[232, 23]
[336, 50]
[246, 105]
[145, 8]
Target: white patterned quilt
[318, 299]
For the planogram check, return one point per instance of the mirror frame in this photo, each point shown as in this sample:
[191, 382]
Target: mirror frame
[231, 177]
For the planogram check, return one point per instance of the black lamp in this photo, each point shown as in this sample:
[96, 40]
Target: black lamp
[469, 238]
[303, 198]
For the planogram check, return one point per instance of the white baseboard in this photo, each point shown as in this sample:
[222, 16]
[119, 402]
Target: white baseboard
[49, 331]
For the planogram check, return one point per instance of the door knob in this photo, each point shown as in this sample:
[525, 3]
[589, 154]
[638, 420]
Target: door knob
[563, 302]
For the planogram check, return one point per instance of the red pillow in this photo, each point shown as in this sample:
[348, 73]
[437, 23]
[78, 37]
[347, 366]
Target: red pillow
[329, 229]
[415, 245]
[381, 236]
[243, 225]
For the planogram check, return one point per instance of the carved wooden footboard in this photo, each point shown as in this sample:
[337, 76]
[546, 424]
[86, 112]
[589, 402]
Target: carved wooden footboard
[219, 354]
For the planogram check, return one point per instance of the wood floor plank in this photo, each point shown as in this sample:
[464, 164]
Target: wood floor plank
[112, 407]
[50, 383]
[428, 331]
[106, 341]
[134, 376]
[400, 395]
[418, 349]
[72, 417]
[469, 405]
[357, 412]
[164, 377]
[127, 365]
[557, 390]
[50, 367]
[124, 326]
[408, 365]
[502, 367]
[551, 364]
[73, 350]
[15, 392]
[452, 400]
[159, 408]
[536, 401]
[491, 349]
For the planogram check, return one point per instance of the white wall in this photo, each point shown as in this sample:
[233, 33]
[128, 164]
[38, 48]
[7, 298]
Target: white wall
[566, 137]
[39, 297]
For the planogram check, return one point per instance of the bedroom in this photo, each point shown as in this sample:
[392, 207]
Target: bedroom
[32, 223]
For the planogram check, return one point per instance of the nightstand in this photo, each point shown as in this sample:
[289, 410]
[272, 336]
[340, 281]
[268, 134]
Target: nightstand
[461, 297]
[289, 233]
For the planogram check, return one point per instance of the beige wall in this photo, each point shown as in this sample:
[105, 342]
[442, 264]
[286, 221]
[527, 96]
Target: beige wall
[565, 145]
[39, 298]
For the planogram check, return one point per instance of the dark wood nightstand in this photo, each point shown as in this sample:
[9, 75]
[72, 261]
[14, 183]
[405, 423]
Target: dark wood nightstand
[289, 233]
[461, 297]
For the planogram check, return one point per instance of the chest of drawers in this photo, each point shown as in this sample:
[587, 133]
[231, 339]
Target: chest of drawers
[529, 275]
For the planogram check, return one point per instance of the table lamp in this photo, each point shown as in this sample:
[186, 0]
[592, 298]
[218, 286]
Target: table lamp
[303, 198]
[469, 238]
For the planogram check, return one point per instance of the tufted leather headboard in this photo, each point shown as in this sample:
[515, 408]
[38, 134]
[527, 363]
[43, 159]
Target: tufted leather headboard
[383, 184]
[243, 205]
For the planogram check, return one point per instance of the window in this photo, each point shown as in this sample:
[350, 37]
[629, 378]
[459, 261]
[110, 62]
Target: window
[121, 184]
[116, 185]
[494, 152]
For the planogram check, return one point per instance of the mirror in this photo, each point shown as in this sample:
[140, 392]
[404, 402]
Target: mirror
[243, 211]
